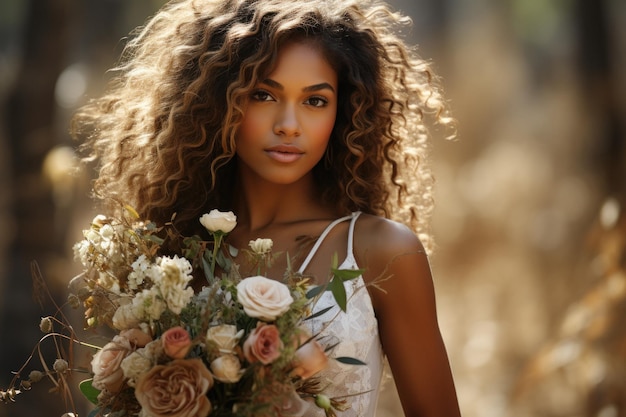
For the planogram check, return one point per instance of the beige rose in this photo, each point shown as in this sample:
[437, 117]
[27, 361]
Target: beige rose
[219, 221]
[177, 389]
[227, 368]
[137, 337]
[263, 344]
[310, 358]
[106, 363]
[263, 298]
[225, 336]
[176, 342]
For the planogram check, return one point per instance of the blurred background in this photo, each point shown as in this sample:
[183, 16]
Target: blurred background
[530, 269]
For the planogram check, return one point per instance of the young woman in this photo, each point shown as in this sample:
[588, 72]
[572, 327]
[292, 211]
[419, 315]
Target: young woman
[306, 119]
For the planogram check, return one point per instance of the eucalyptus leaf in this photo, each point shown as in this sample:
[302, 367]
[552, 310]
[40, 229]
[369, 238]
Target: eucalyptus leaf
[349, 361]
[315, 291]
[339, 293]
[233, 251]
[319, 313]
[347, 274]
[89, 391]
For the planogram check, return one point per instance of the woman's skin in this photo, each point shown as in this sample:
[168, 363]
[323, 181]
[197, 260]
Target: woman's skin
[287, 124]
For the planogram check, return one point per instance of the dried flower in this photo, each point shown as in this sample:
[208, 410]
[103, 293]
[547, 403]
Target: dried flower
[60, 366]
[35, 376]
[45, 325]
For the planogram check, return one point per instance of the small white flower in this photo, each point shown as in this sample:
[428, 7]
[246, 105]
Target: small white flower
[219, 221]
[148, 304]
[261, 246]
[99, 221]
[107, 232]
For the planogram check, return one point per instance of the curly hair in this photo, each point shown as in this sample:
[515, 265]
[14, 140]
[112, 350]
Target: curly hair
[164, 133]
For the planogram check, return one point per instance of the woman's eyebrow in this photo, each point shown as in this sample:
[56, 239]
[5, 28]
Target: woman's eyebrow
[314, 87]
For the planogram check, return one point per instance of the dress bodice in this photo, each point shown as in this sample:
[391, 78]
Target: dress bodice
[355, 333]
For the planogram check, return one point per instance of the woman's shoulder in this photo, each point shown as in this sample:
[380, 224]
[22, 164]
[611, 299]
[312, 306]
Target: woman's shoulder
[378, 232]
[378, 240]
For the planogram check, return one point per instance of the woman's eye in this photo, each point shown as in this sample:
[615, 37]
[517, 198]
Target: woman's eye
[317, 101]
[261, 95]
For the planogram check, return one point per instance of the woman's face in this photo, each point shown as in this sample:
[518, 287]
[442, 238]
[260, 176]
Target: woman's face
[288, 117]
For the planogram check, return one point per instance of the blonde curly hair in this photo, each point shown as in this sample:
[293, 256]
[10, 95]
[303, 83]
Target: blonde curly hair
[164, 133]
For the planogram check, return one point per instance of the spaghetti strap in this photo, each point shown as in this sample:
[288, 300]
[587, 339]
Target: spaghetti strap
[320, 240]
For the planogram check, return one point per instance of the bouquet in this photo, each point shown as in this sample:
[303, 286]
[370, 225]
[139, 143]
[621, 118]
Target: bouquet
[239, 347]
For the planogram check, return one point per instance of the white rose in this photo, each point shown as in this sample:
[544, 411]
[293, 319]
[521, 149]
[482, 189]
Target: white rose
[263, 298]
[225, 336]
[134, 365]
[216, 220]
[227, 369]
[125, 317]
[261, 246]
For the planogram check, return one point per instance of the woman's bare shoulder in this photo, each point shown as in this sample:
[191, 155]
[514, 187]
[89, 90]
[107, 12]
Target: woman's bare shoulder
[384, 236]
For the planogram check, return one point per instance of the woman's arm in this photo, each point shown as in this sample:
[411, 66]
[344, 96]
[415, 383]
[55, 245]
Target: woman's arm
[407, 318]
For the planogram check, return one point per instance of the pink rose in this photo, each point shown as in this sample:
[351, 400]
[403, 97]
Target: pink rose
[263, 344]
[177, 389]
[176, 342]
[310, 358]
[137, 338]
[106, 363]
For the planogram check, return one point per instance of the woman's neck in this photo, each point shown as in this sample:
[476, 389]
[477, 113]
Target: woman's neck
[259, 204]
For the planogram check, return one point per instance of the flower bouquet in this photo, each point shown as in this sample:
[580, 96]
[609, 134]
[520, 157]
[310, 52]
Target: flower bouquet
[239, 347]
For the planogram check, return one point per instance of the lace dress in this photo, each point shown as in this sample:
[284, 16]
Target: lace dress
[357, 334]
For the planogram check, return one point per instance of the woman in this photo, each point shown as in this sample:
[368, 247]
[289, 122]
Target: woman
[306, 119]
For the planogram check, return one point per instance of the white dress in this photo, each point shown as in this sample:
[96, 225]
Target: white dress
[356, 331]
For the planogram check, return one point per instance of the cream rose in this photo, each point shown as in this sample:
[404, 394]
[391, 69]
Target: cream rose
[225, 336]
[227, 368]
[261, 246]
[263, 298]
[106, 363]
[263, 344]
[219, 221]
[177, 389]
[176, 342]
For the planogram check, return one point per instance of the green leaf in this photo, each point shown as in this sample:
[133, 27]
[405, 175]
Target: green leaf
[89, 391]
[339, 293]
[350, 361]
[206, 267]
[233, 251]
[315, 291]
[347, 274]
[155, 239]
[319, 313]
[131, 211]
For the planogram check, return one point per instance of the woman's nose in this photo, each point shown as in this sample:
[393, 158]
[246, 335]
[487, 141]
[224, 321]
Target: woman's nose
[286, 123]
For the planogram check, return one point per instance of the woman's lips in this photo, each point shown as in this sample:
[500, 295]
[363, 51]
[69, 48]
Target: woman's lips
[284, 153]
